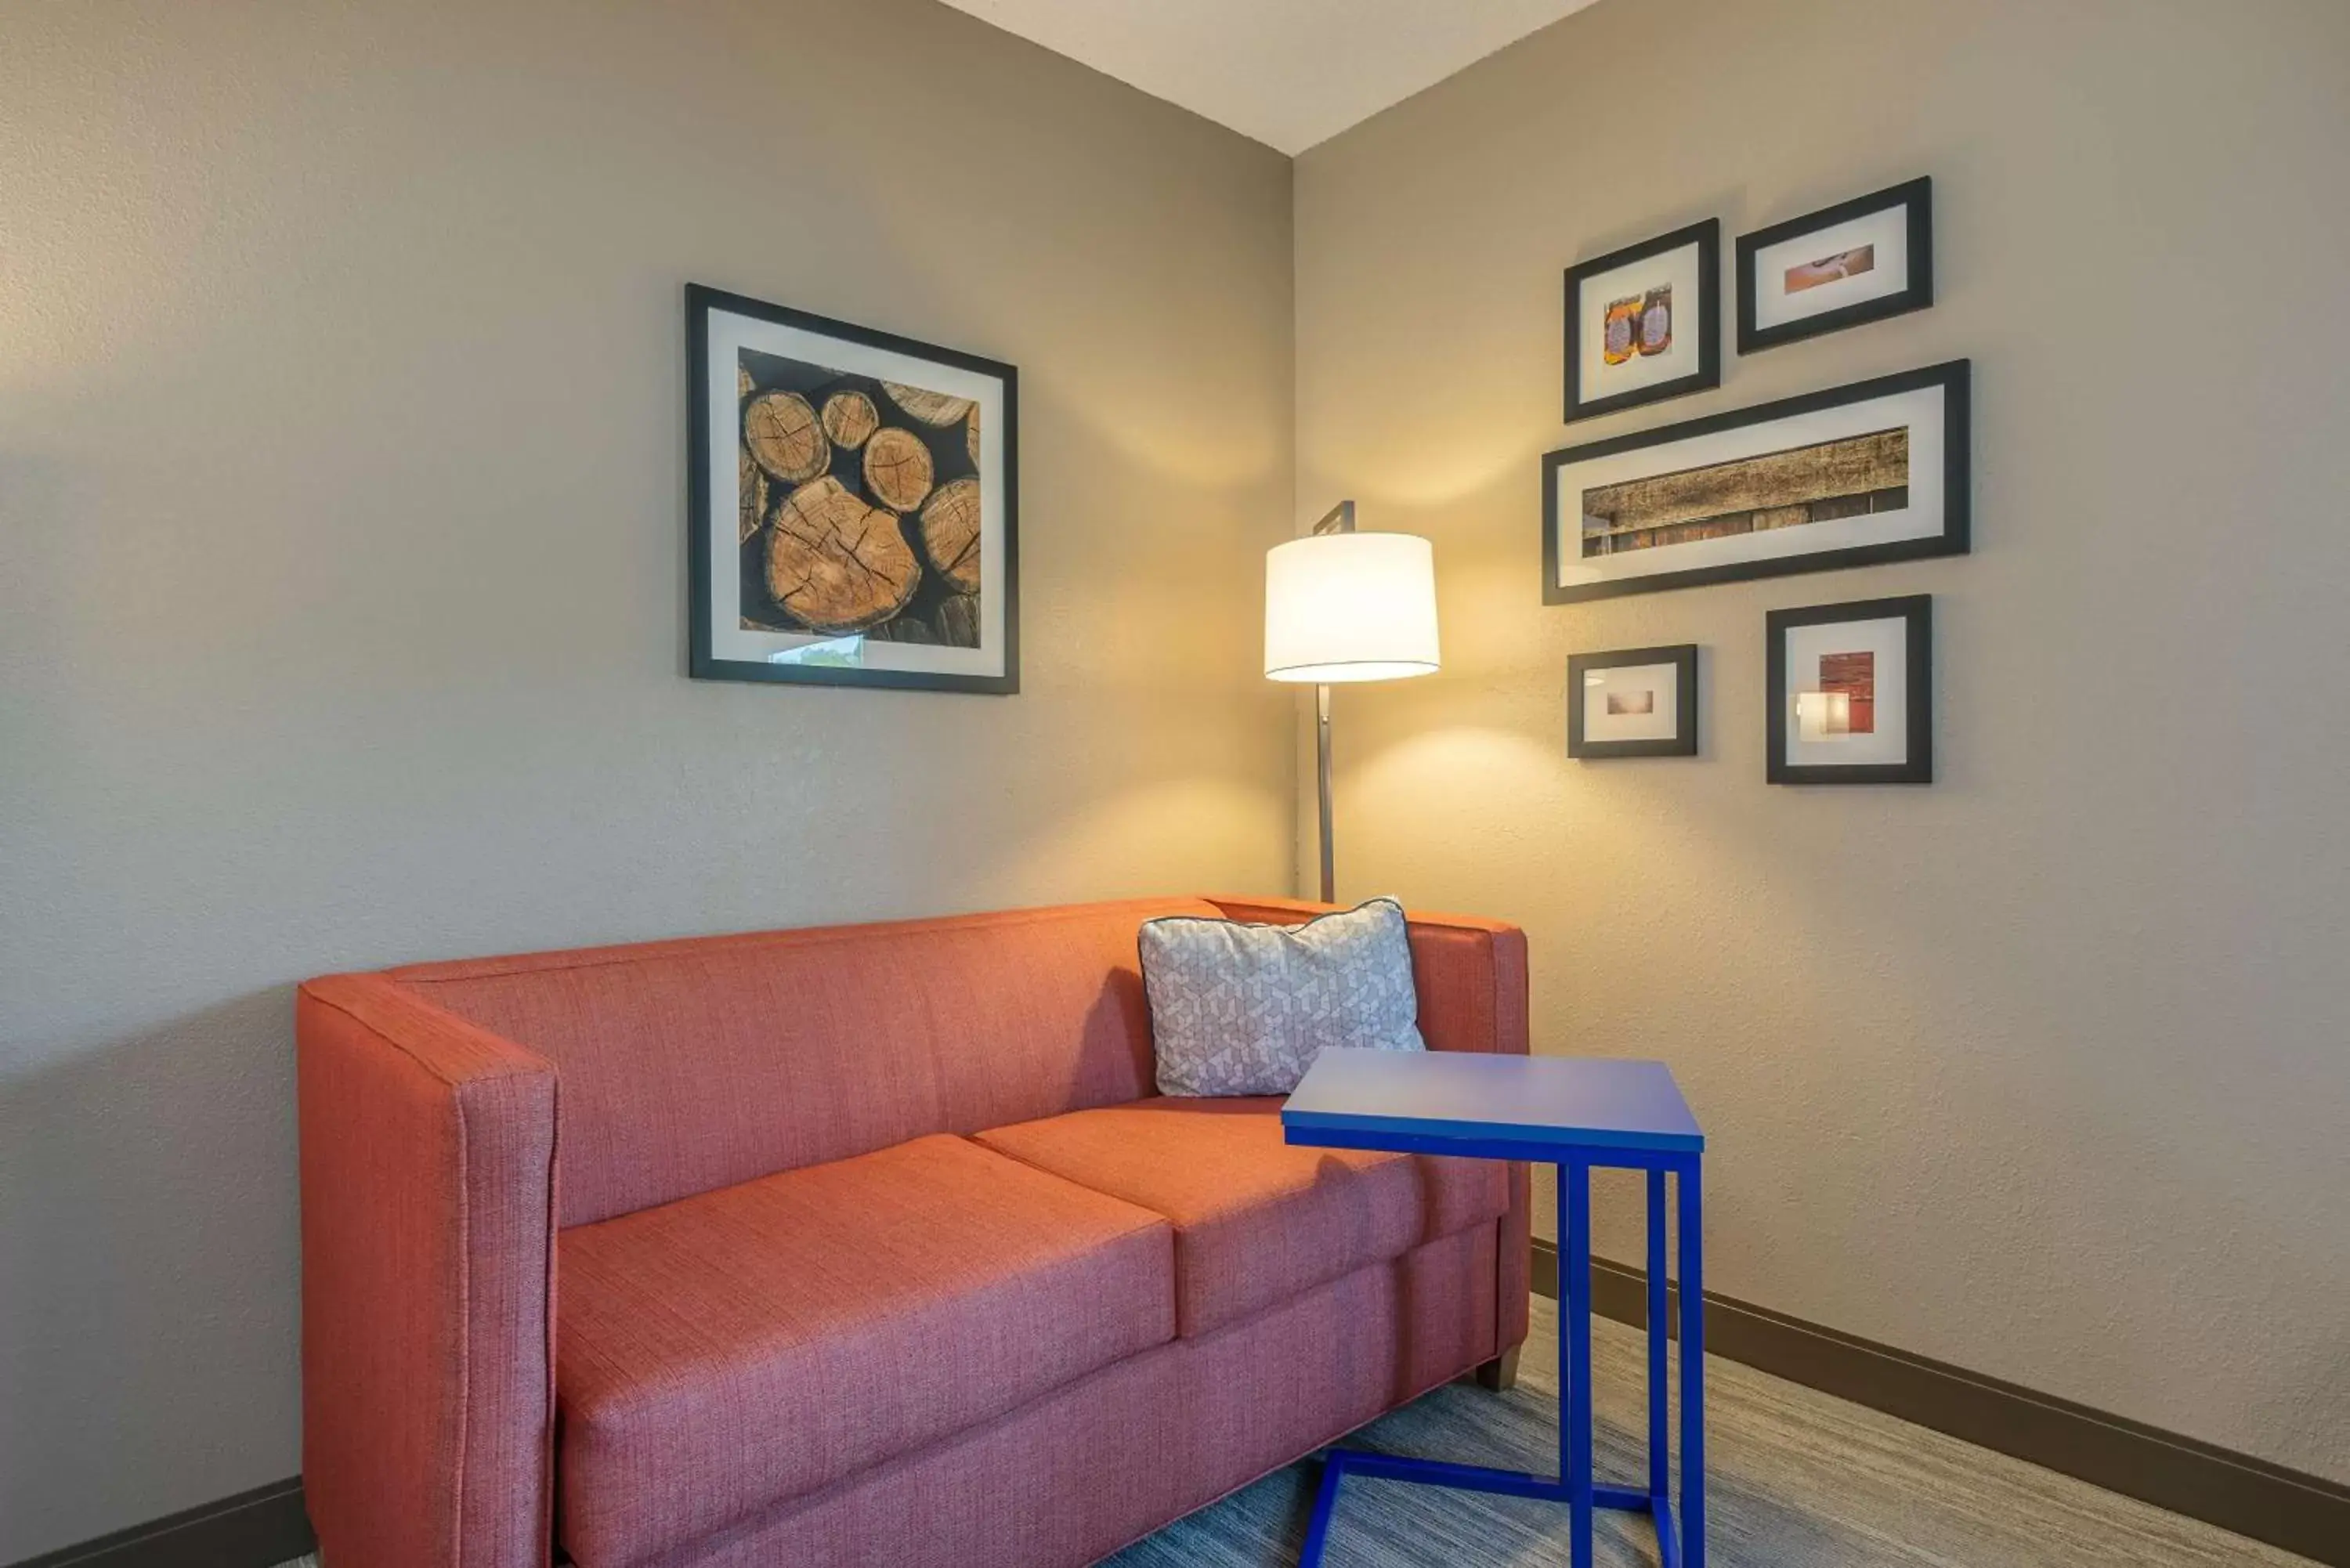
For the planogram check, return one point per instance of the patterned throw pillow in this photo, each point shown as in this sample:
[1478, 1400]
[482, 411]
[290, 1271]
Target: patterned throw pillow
[1243, 1010]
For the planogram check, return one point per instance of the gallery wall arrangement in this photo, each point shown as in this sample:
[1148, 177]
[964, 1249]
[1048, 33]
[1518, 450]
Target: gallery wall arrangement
[1851, 477]
[875, 536]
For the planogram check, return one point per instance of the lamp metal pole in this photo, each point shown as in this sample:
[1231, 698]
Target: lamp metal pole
[1322, 782]
[1339, 519]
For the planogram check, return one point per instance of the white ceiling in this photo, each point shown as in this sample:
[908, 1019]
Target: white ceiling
[1289, 73]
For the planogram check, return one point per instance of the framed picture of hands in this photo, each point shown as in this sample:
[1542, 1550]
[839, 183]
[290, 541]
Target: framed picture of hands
[1641, 322]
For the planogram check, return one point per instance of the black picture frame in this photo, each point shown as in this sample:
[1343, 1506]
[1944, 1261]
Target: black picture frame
[703, 663]
[1954, 537]
[1707, 237]
[1917, 196]
[1682, 742]
[1917, 611]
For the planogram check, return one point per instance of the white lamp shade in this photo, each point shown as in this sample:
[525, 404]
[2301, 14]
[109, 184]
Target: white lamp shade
[1350, 607]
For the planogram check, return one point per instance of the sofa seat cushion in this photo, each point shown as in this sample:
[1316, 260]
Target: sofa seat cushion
[724, 1353]
[1256, 1220]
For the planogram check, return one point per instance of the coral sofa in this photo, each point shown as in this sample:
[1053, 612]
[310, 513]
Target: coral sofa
[860, 1245]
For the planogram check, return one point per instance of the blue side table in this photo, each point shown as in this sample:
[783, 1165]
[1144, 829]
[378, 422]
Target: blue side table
[1573, 1115]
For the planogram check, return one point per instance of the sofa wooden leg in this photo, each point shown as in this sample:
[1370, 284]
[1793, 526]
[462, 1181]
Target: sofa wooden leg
[1501, 1374]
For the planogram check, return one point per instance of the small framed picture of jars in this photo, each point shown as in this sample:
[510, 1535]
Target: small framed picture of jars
[1641, 322]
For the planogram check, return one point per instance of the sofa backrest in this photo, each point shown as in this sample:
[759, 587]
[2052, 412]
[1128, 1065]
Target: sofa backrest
[684, 1066]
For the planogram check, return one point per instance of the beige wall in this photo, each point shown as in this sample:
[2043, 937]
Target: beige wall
[331, 335]
[2043, 1070]
[341, 578]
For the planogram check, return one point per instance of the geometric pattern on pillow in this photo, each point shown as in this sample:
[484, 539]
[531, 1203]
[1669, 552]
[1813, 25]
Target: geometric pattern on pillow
[1242, 1009]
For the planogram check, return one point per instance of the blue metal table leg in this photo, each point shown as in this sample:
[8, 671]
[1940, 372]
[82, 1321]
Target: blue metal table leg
[1681, 1531]
[1478, 1478]
[1660, 1453]
[1325, 1502]
[1692, 1511]
[1575, 1219]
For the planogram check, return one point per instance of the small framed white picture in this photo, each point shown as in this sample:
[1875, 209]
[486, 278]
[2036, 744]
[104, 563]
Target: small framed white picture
[1862, 260]
[1851, 691]
[1640, 322]
[1634, 703]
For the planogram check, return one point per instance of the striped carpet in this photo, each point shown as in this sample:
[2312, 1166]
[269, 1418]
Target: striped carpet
[1797, 1479]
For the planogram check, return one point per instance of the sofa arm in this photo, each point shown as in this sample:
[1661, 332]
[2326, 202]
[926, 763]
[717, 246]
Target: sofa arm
[427, 1287]
[1472, 978]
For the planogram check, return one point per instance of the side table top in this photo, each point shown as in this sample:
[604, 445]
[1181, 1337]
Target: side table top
[1414, 1097]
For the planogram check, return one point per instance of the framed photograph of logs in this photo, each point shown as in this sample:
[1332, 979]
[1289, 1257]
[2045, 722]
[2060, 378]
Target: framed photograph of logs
[1862, 260]
[1855, 477]
[1642, 323]
[1634, 703]
[1851, 692]
[875, 535]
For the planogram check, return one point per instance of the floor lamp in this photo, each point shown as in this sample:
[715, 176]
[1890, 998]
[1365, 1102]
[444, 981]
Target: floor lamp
[1341, 606]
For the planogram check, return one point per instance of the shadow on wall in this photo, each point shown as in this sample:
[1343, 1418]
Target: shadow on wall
[120, 1288]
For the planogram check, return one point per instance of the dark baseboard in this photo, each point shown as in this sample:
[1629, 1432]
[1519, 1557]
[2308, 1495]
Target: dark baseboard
[2303, 1513]
[256, 1528]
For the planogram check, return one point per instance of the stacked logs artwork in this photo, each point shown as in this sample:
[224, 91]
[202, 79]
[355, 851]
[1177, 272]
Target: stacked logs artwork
[859, 505]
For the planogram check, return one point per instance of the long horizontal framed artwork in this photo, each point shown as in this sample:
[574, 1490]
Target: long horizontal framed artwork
[1855, 477]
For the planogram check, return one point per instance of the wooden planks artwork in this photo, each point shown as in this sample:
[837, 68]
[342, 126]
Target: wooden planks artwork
[1844, 478]
[858, 505]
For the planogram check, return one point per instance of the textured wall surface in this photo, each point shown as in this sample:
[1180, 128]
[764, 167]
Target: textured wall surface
[341, 578]
[2044, 1069]
[341, 584]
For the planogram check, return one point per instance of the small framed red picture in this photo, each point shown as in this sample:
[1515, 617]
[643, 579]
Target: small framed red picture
[1851, 692]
